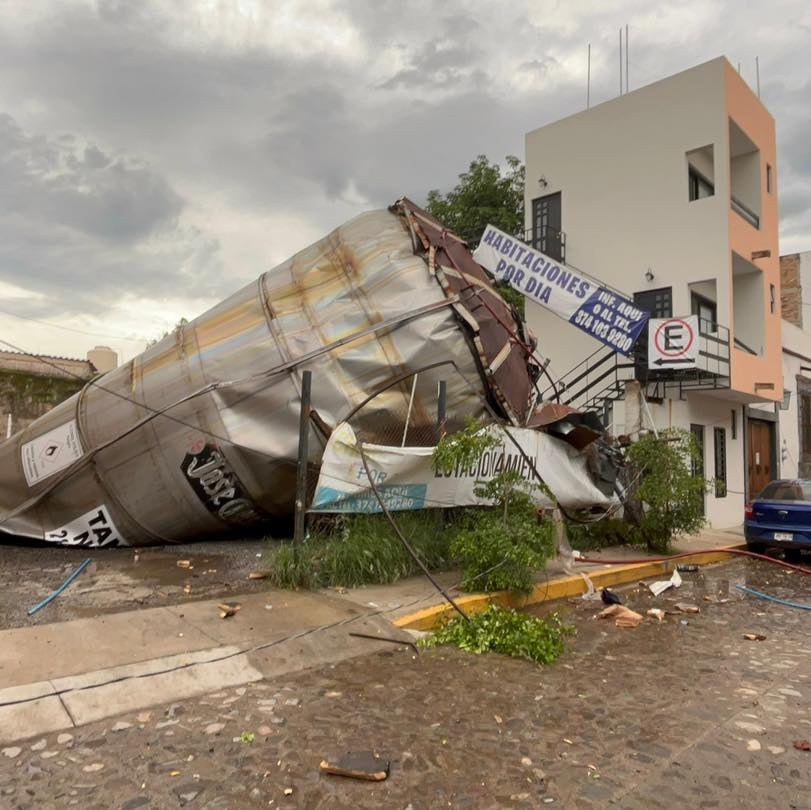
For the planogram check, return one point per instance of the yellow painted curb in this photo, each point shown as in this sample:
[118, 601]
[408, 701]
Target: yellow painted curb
[559, 588]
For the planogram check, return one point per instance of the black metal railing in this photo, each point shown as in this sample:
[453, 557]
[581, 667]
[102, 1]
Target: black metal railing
[549, 241]
[744, 211]
[599, 380]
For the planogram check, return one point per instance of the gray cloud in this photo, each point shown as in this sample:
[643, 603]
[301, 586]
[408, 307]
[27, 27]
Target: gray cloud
[188, 127]
[76, 224]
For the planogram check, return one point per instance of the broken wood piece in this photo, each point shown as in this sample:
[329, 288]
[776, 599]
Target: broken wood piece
[754, 636]
[684, 607]
[623, 616]
[259, 574]
[228, 609]
[358, 765]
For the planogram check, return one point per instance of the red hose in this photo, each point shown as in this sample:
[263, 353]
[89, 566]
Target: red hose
[739, 551]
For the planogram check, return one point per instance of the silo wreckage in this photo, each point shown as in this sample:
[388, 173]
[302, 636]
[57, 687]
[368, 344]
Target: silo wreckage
[199, 435]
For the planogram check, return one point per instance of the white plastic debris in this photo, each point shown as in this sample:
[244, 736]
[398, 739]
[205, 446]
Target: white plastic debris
[659, 587]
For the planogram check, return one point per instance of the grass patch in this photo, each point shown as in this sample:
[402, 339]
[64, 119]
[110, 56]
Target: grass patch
[505, 631]
[362, 550]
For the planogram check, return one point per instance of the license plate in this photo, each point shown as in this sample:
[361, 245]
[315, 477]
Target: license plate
[783, 536]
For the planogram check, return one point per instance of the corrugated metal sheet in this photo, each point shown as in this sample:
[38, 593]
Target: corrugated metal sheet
[199, 434]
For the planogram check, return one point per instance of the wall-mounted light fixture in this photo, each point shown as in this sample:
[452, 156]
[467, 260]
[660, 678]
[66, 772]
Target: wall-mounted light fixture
[649, 275]
[542, 181]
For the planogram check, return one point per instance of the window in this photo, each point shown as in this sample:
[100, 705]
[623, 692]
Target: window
[707, 312]
[700, 187]
[720, 436]
[804, 419]
[697, 463]
[701, 172]
[658, 302]
[771, 298]
[768, 178]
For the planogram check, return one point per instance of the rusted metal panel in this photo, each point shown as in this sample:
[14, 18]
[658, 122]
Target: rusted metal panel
[198, 435]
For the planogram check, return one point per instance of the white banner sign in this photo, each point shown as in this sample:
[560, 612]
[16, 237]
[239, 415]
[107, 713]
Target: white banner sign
[406, 480]
[673, 343]
[51, 452]
[572, 295]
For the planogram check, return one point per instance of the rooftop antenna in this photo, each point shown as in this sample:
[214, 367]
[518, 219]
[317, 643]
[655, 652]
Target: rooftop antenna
[757, 72]
[620, 60]
[588, 78]
[626, 57]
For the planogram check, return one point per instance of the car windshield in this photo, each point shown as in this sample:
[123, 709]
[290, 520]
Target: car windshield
[786, 491]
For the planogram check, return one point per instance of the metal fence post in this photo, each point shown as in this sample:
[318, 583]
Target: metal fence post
[441, 406]
[303, 454]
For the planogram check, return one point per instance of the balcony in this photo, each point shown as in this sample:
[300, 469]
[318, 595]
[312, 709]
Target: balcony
[743, 211]
[549, 241]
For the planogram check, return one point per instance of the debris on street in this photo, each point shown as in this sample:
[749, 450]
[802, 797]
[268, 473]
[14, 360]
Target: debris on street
[656, 613]
[658, 588]
[608, 597]
[686, 607]
[623, 616]
[359, 765]
[228, 609]
[754, 636]
[48, 599]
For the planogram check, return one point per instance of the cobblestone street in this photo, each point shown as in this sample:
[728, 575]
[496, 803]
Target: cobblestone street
[686, 713]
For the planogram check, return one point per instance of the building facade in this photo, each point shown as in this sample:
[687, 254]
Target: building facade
[668, 194]
[30, 385]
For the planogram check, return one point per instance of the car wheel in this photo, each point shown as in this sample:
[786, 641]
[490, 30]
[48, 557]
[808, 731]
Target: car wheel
[757, 548]
[793, 555]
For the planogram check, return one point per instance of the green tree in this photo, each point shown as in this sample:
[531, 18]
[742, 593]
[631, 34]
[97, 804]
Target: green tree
[671, 495]
[484, 194]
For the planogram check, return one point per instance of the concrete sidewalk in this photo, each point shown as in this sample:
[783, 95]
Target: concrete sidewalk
[61, 675]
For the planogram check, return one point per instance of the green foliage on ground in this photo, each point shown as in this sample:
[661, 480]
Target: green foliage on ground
[484, 194]
[505, 631]
[362, 550]
[671, 495]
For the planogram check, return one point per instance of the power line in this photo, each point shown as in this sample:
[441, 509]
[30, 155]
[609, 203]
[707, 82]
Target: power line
[70, 328]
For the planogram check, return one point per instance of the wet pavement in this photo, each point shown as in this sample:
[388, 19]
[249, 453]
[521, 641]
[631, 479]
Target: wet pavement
[121, 579]
[686, 713]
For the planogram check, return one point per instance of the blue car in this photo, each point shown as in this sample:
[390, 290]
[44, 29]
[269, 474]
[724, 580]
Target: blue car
[780, 517]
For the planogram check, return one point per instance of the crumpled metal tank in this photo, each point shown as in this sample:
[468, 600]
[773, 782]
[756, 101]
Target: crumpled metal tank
[199, 434]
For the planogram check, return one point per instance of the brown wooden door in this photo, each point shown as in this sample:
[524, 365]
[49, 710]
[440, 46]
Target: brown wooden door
[760, 455]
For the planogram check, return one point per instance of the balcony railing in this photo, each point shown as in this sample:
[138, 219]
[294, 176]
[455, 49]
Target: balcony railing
[747, 213]
[548, 240]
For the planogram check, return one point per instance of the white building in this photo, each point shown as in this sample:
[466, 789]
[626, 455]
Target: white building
[668, 194]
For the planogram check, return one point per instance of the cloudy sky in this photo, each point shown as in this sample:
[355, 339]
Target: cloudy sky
[156, 155]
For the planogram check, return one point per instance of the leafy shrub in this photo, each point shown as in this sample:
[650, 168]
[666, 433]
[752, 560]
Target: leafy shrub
[671, 495]
[600, 533]
[362, 549]
[505, 631]
[501, 547]
[496, 555]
